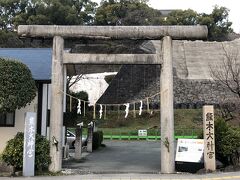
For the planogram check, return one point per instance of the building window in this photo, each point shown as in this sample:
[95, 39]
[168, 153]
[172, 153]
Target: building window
[7, 119]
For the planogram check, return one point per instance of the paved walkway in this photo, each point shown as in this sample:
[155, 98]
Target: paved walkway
[120, 157]
[124, 160]
[216, 176]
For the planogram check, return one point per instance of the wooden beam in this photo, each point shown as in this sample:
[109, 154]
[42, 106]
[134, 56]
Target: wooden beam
[115, 32]
[69, 58]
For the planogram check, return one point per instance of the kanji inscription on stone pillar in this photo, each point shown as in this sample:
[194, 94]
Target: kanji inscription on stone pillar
[29, 144]
[209, 139]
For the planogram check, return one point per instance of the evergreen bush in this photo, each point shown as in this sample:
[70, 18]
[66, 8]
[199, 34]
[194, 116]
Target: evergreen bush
[17, 85]
[227, 142]
[97, 139]
[13, 152]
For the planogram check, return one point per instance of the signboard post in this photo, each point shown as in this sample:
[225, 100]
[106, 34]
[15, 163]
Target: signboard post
[209, 139]
[29, 144]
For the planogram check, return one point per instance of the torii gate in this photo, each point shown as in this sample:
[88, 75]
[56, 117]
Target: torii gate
[61, 58]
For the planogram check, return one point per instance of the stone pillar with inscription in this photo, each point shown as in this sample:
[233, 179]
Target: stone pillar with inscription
[29, 144]
[209, 139]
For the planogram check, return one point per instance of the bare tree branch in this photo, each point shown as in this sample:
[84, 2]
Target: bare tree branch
[228, 72]
[71, 80]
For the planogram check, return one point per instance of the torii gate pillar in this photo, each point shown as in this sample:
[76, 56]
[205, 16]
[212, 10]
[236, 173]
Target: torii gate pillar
[167, 116]
[56, 115]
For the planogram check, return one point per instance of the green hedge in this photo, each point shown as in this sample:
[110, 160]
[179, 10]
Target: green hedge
[97, 139]
[13, 152]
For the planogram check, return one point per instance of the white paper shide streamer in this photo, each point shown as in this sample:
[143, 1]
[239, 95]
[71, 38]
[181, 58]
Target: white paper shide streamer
[100, 111]
[127, 109]
[79, 107]
[140, 108]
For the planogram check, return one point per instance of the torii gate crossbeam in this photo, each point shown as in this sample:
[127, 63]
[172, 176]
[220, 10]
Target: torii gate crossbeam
[59, 58]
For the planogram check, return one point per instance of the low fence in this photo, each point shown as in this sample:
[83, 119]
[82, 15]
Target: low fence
[151, 134]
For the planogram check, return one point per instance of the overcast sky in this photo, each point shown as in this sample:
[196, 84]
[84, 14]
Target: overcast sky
[201, 6]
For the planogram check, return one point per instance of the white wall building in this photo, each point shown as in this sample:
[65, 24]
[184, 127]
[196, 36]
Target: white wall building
[39, 62]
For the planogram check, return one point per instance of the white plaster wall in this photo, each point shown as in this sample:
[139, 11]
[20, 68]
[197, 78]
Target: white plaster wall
[7, 133]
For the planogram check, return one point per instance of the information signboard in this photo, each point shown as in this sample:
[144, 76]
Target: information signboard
[142, 132]
[190, 150]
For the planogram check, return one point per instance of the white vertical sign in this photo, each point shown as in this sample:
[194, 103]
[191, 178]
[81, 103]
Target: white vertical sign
[209, 139]
[29, 144]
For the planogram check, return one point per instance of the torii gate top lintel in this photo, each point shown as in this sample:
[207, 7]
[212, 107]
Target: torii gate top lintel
[115, 32]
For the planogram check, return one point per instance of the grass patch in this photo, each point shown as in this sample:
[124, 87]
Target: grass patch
[188, 122]
[184, 118]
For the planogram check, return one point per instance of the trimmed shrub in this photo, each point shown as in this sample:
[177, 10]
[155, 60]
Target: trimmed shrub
[97, 139]
[17, 85]
[13, 152]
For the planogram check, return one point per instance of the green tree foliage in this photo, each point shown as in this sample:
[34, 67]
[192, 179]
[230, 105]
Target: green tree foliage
[180, 17]
[9, 9]
[217, 22]
[110, 12]
[13, 152]
[9, 39]
[227, 142]
[133, 12]
[59, 12]
[17, 85]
